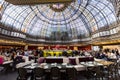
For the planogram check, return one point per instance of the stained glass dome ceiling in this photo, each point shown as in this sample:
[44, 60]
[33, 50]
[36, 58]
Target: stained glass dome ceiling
[61, 21]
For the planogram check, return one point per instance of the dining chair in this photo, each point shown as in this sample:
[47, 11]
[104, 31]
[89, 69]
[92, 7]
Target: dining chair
[55, 73]
[72, 61]
[98, 74]
[116, 71]
[38, 74]
[109, 72]
[22, 74]
[71, 73]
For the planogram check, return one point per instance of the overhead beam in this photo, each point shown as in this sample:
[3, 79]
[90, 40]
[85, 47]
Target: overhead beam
[32, 2]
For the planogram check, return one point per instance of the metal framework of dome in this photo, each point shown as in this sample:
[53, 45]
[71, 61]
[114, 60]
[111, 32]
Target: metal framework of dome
[60, 22]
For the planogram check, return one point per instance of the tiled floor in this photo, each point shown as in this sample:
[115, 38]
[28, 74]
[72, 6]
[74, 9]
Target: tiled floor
[8, 76]
[12, 75]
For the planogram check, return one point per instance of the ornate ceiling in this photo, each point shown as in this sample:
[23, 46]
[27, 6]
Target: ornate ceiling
[68, 22]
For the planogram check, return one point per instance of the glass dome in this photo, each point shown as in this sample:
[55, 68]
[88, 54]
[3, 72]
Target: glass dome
[60, 22]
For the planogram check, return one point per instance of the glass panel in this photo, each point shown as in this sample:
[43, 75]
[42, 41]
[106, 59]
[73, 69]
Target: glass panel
[77, 20]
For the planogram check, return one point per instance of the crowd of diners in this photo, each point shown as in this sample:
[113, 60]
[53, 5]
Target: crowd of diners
[106, 54]
[10, 54]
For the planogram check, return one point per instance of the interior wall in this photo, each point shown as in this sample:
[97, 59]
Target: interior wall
[60, 47]
[11, 47]
[85, 47]
[32, 47]
[112, 47]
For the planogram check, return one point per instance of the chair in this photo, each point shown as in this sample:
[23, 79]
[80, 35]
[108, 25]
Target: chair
[41, 60]
[55, 73]
[22, 74]
[19, 59]
[71, 74]
[109, 73]
[84, 59]
[54, 60]
[31, 58]
[116, 71]
[91, 59]
[38, 74]
[1, 60]
[98, 73]
[72, 61]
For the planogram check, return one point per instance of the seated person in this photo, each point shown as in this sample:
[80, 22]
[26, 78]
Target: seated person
[7, 54]
[41, 53]
[26, 53]
[87, 53]
[73, 53]
[13, 56]
[103, 56]
[82, 54]
[54, 54]
[1, 59]
[16, 59]
[48, 54]
[64, 53]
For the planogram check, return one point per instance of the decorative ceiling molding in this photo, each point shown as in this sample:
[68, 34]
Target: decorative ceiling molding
[32, 2]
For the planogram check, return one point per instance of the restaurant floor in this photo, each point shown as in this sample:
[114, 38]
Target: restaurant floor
[12, 75]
